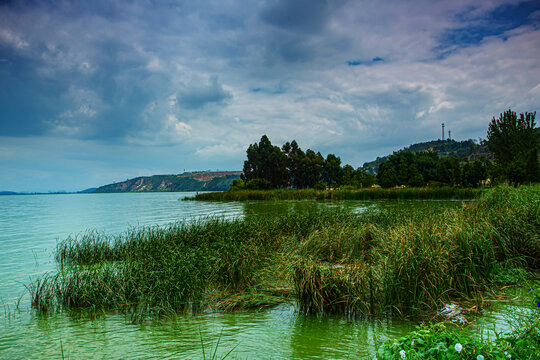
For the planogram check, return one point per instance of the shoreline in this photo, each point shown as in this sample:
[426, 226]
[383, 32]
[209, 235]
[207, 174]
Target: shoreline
[443, 193]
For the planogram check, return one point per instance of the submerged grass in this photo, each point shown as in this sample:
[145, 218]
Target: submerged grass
[383, 262]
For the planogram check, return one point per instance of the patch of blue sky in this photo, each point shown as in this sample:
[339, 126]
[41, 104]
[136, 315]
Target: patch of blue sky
[354, 62]
[367, 63]
[495, 23]
[277, 90]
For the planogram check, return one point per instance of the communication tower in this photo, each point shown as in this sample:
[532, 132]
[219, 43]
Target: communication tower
[442, 131]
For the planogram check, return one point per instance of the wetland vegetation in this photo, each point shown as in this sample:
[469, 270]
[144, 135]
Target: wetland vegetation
[385, 262]
[390, 262]
[343, 193]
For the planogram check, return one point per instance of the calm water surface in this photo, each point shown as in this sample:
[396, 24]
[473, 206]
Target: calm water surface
[31, 225]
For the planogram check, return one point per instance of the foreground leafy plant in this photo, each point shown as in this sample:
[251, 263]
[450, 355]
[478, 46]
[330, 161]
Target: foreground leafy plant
[438, 342]
[445, 341]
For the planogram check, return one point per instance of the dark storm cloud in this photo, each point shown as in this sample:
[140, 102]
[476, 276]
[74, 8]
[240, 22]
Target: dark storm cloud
[199, 95]
[304, 16]
[24, 107]
[201, 80]
[299, 31]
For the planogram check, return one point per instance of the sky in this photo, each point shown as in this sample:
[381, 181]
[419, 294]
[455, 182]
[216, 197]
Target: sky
[95, 92]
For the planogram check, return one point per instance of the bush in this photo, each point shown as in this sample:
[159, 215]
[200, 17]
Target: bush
[258, 184]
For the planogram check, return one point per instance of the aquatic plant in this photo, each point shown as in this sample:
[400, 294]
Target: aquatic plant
[419, 264]
[441, 341]
[390, 261]
[341, 194]
[449, 341]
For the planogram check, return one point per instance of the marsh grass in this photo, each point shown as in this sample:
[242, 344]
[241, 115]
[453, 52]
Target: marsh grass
[340, 194]
[420, 263]
[404, 263]
[234, 301]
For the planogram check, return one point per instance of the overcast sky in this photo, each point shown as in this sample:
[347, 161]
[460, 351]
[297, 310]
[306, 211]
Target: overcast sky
[94, 92]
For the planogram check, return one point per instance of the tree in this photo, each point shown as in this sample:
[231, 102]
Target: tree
[333, 172]
[364, 179]
[266, 162]
[447, 171]
[473, 174]
[511, 140]
[532, 169]
[415, 178]
[295, 156]
[387, 175]
[312, 169]
[427, 164]
[348, 173]
[237, 184]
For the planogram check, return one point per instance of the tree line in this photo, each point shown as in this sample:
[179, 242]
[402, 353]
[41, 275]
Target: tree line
[512, 141]
[271, 167]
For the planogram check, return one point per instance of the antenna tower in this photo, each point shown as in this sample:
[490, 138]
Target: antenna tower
[449, 135]
[442, 131]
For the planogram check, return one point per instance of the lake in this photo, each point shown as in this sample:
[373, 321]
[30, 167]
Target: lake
[31, 225]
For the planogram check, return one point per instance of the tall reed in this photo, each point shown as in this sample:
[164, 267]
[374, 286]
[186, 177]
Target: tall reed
[419, 265]
[339, 194]
[388, 261]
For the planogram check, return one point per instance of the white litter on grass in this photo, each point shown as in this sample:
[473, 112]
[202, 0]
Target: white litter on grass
[453, 312]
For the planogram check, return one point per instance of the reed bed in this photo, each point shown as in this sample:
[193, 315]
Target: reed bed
[397, 262]
[341, 194]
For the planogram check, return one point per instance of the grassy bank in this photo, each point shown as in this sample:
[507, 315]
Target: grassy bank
[442, 341]
[349, 194]
[385, 262]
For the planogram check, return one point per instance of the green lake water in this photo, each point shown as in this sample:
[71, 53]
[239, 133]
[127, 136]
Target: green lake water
[31, 225]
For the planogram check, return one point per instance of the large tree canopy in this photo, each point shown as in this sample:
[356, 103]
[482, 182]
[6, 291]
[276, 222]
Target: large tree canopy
[266, 162]
[513, 141]
[268, 166]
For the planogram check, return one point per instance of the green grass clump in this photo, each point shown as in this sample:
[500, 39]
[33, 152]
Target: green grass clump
[345, 289]
[173, 268]
[417, 266]
[341, 194]
[232, 301]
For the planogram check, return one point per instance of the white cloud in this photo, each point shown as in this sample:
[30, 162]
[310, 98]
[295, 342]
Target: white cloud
[193, 74]
[13, 39]
[220, 150]
[179, 128]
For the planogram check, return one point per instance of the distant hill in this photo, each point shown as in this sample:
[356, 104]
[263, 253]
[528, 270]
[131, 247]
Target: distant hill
[446, 148]
[87, 191]
[192, 181]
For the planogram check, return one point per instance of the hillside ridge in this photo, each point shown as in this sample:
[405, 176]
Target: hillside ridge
[188, 181]
[446, 148]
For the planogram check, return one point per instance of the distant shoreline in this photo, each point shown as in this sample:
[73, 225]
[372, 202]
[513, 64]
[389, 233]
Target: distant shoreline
[13, 193]
[87, 191]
